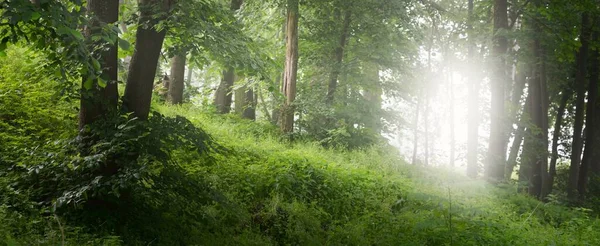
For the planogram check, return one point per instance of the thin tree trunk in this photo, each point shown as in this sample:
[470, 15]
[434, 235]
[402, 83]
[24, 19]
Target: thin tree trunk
[291, 67]
[590, 122]
[473, 108]
[452, 132]
[144, 62]
[190, 75]
[98, 100]
[339, 56]
[416, 130]
[557, 132]
[175, 94]
[496, 152]
[579, 108]
[519, 134]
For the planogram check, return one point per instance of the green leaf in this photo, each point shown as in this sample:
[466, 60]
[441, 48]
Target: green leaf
[35, 15]
[88, 83]
[101, 82]
[96, 64]
[2, 54]
[76, 34]
[123, 44]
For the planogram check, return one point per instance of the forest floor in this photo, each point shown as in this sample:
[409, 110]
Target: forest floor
[258, 189]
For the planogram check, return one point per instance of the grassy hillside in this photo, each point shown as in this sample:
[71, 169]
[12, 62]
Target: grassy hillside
[250, 187]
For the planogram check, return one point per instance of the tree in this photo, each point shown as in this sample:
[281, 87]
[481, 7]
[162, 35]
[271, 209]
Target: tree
[175, 94]
[291, 67]
[473, 110]
[98, 98]
[496, 152]
[338, 54]
[149, 40]
[589, 155]
[223, 94]
[582, 57]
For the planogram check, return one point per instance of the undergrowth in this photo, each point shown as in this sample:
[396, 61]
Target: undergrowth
[190, 177]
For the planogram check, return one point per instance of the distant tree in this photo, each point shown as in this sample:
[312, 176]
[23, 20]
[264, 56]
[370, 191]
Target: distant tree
[224, 93]
[175, 94]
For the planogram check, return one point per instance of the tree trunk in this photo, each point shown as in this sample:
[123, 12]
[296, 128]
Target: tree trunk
[224, 93]
[175, 95]
[473, 108]
[591, 125]
[416, 130]
[291, 67]
[98, 100]
[579, 108]
[535, 152]
[190, 75]
[144, 62]
[452, 132]
[249, 111]
[557, 132]
[339, 56]
[519, 133]
[496, 153]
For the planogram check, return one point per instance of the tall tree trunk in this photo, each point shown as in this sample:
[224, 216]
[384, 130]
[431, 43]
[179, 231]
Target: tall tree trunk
[224, 93]
[519, 133]
[525, 169]
[579, 108]
[175, 94]
[496, 153]
[249, 111]
[416, 130]
[535, 152]
[291, 67]
[473, 108]
[452, 126]
[557, 132]
[339, 56]
[144, 62]
[98, 100]
[595, 154]
[590, 122]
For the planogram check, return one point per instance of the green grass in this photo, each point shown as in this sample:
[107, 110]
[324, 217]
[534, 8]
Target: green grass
[267, 191]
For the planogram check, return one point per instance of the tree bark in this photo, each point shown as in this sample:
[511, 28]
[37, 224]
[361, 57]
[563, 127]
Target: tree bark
[579, 108]
[249, 111]
[339, 56]
[496, 153]
[473, 108]
[291, 67]
[97, 101]
[557, 132]
[590, 121]
[223, 95]
[144, 62]
[175, 95]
